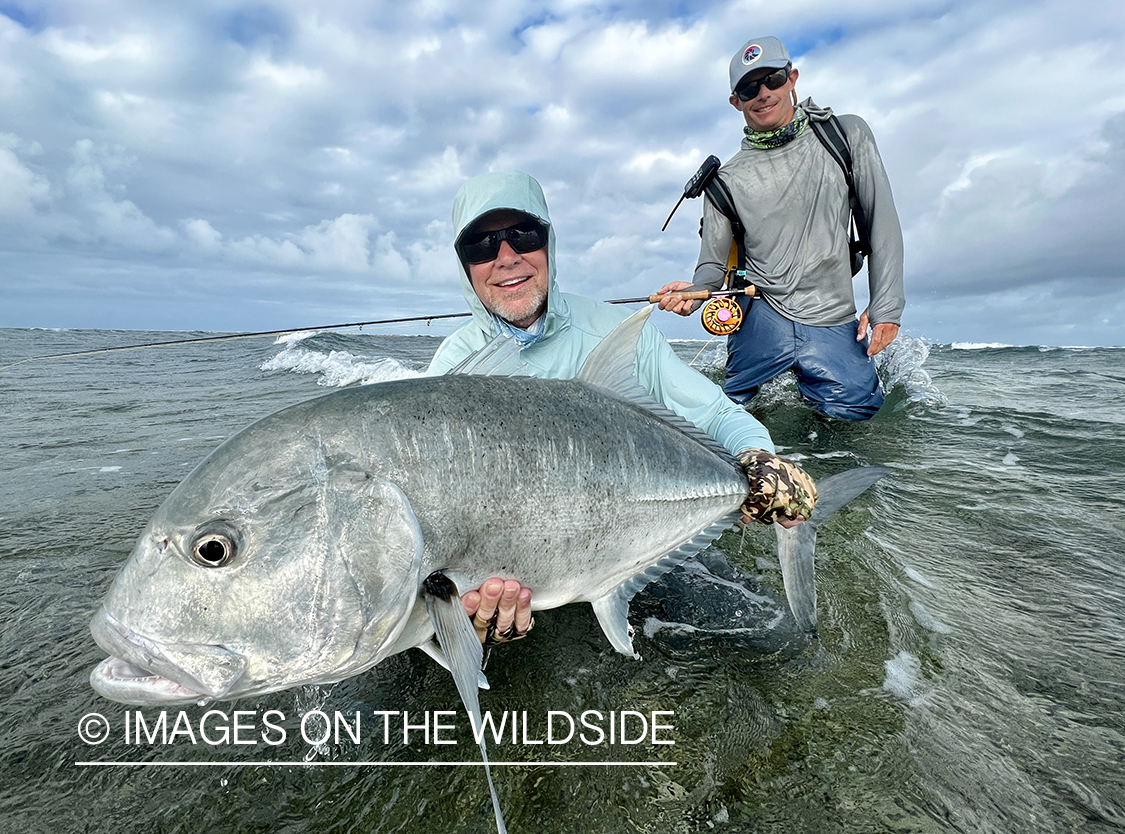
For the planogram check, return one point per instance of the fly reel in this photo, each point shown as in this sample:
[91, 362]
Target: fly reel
[721, 316]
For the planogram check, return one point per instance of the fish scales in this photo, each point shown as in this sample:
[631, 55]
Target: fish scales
[514, 498]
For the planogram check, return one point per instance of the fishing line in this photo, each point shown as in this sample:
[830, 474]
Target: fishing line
[706, 345]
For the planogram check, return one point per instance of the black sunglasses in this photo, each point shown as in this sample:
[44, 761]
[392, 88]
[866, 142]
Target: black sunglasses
[748, 90]
[524, 237]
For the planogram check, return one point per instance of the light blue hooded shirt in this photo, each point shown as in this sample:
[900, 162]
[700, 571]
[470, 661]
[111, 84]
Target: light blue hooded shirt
[573, 326]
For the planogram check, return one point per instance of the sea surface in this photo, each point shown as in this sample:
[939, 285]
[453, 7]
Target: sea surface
[969, 674]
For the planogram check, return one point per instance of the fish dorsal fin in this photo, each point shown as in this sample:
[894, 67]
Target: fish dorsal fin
[500, 357]
[612, 366]
[612, 610]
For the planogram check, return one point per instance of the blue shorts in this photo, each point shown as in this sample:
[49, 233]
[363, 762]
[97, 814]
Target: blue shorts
[834, 372]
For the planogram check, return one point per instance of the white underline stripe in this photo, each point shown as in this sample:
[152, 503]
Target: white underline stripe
[374, 764]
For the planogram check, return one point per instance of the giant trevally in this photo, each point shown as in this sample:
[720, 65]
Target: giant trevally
[299, 550]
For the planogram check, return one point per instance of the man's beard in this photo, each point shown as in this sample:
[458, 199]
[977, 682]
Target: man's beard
[524, 310]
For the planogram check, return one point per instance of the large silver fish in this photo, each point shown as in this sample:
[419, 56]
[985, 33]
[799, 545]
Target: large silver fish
[337, 532]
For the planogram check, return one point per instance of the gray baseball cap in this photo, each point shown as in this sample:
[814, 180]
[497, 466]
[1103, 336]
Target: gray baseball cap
[756, 54]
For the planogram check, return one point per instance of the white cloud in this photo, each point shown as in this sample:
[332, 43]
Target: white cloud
[203, 235]
[116, 222]
[289, 77]
[24, 192]
[79, 47]
[285, 142]
[438, 173]
[644, 162]
[339, 244]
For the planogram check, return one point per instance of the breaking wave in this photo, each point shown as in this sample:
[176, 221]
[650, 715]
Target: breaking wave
[336, 368]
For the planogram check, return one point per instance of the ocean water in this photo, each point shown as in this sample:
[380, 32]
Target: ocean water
[969, 674]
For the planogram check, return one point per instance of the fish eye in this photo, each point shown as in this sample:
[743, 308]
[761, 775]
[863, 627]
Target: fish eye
[213, 549]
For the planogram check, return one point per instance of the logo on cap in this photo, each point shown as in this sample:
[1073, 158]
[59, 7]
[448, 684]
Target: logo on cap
[753, 53]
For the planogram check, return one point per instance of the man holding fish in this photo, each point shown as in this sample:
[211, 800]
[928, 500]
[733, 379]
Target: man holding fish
[506, 248]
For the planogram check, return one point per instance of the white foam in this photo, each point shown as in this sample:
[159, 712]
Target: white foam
[980, 345]
[294, 338]
[904, 675]
[829, 455]
[110, 469]
[338, 368]
[900, 364]
[917, 576]
[1040, 348]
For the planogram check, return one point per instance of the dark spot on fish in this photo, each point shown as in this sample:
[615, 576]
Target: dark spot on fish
[438, 585]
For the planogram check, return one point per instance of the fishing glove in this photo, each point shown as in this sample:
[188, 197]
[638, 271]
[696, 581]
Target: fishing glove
[778, 487]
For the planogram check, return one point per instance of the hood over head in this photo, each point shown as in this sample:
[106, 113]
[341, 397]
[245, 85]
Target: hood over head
[491, 192]
[815, 111]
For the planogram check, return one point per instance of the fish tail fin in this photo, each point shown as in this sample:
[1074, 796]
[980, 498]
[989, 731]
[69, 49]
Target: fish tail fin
[796, 546]
[463, 651]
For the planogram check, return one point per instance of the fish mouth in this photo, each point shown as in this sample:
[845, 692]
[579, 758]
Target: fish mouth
[143, 671]
[119, 680]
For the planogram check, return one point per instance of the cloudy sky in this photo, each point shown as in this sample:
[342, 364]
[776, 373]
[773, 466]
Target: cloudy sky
[224, 166]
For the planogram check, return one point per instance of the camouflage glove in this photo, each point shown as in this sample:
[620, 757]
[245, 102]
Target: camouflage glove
[778, 488]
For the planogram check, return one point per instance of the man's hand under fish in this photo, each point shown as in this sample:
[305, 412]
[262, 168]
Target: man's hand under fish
[500, 610]
[780, 491]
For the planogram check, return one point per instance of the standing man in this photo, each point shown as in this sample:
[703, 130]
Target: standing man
[505, 244]
[792, 198]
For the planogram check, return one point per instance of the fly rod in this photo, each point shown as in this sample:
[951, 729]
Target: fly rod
[230, 337]
[651, 299]
[689, 295]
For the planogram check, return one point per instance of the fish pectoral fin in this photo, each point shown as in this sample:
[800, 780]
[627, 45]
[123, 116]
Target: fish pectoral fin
[612, 612]
[610, 364]
[432, 648]
[463, 653]
[796, 546]
[837, 490]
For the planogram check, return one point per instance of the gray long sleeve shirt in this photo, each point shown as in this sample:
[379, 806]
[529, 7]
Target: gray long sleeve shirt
[793, 201]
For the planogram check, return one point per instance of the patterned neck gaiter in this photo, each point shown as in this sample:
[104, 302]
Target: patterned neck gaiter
[768, 139]
[524, 338]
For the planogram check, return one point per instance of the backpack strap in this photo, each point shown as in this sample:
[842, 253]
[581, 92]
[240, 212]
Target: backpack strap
[706, 180]
[831, 135]
[721, 198]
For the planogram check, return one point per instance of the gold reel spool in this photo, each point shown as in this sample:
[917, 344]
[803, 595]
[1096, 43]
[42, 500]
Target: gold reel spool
[721, 316]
